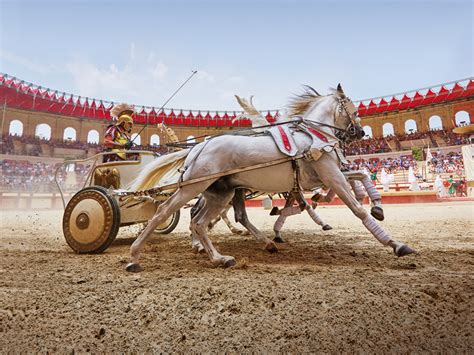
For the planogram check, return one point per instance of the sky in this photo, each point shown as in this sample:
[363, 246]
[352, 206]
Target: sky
[141, 51]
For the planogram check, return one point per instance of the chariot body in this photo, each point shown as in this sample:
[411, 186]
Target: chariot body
[93, 215]
[152, 188]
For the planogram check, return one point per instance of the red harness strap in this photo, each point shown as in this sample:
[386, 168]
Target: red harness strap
[285, 139]
[317, 134]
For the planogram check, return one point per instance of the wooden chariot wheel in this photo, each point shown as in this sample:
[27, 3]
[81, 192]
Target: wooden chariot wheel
[91, 220]
[169, 225]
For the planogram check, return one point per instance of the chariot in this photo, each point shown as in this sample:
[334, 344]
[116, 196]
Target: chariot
[94, 214]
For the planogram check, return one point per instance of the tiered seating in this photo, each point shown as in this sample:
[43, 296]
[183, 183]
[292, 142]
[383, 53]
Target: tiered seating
[440, 141]
[408, 144]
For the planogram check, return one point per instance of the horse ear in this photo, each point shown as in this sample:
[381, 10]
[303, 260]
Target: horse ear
[340, 92]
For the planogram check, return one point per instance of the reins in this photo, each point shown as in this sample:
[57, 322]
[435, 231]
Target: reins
[236, 132]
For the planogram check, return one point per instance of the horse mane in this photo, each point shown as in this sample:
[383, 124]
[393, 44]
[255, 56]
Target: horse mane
[300, 103]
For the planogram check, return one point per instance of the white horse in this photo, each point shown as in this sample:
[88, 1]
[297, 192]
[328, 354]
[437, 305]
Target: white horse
[332, 116]
[359, 182]
[358, 179]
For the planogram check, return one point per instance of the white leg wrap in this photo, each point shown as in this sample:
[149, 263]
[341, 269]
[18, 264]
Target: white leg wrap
[374, 195]
[358, 189]
[290, 211]
[314, 216]
[377, 230]
[279, 223]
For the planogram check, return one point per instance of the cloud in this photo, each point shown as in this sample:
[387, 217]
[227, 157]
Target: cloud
[205, 76]
[90, 80]
[139, 80]
[143, 79]
[28, 64]
[236, 79]
[159, 70]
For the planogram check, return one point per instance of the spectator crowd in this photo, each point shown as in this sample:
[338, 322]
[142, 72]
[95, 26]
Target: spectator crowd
[7, 145]
[446, 163]
[22, 175]
[382, 145]
[367, 146]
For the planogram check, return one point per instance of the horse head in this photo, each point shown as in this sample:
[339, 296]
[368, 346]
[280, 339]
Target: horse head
[334, 112]
[347, 119]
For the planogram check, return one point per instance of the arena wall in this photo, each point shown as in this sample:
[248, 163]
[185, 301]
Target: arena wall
[82, 126]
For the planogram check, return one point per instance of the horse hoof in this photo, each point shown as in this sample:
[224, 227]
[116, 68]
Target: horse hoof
[404, 250]
[198, 250]
[229, 263]
[131, 267]
[327, 227]
[377, 213]
[316, 197]
[271, 247]
[274, 211]
[278, 240]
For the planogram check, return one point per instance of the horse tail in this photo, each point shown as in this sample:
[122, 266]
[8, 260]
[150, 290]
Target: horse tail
[161, 171]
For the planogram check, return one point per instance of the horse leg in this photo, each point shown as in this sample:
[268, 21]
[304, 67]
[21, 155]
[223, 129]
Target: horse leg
[359, 191]
[356, 178]
[213, 206]
[376, 211]
[319, 197]
[195, 243]
[334, 178]
[312, 213]
[163, 212]
[317, 219]
[284, 213]
[229, 224]
[241, 217]
[215, 220]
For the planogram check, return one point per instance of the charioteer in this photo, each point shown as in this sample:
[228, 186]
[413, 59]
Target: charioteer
[117, 135]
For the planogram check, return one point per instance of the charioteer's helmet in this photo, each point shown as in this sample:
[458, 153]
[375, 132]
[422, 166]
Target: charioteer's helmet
[123, 114]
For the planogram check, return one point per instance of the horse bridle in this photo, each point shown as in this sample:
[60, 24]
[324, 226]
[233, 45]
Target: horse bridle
[352, 131]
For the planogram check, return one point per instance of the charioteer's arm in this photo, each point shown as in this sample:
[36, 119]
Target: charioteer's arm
[111, 143]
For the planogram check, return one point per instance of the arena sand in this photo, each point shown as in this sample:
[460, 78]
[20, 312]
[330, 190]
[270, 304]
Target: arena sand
[336, 291]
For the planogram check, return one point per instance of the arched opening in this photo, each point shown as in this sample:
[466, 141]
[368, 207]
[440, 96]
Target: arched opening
[43, 131]
[368, 132]
[136, 139]
[155, 139]
[190, 139]
[16, 128]
[435, 123]
[462, 118]
[69, 135]
[410, 126]
[387, 129]
[93, 137]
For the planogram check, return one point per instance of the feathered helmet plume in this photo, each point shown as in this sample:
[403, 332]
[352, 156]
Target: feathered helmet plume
[122, 112]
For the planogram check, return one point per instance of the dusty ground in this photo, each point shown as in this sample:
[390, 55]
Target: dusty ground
[336, 291]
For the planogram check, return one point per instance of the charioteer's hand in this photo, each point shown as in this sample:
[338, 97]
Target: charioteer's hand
[128, 145]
